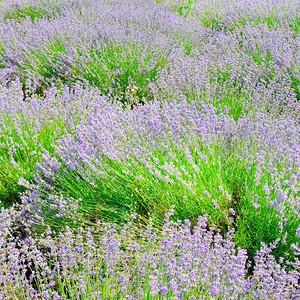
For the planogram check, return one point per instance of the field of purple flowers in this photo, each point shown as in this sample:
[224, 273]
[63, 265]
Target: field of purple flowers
[149, 149]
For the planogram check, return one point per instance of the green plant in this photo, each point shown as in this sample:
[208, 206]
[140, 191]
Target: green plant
[186, 9]
[31, 10]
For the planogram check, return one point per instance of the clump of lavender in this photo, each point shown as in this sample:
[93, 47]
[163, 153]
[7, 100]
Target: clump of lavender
[30, 127]
[179, 154]
[128, 262]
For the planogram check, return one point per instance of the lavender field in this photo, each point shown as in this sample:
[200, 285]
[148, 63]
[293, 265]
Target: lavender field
[149, 149]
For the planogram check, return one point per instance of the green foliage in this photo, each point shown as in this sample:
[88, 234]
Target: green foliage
[212, 20]
[186, 9]
[2, 65]
[260, 224]
[295, 85]
[27, 150]
[294, 24]
[10, 191]
[116, 70]
[33, 11]
[41, 63]
[116, 193]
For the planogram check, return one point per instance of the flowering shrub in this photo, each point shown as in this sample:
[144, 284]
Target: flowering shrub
[103, 262]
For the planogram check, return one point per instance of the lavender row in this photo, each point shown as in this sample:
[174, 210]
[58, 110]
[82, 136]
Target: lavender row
[104, 262]
[132, 56]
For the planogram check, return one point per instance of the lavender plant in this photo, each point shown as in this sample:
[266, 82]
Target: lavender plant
[106, 262]
[27, 10]
[28, 128]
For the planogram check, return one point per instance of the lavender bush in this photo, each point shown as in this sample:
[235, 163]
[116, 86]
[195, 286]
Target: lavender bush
[114, 112]
[172, 263]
